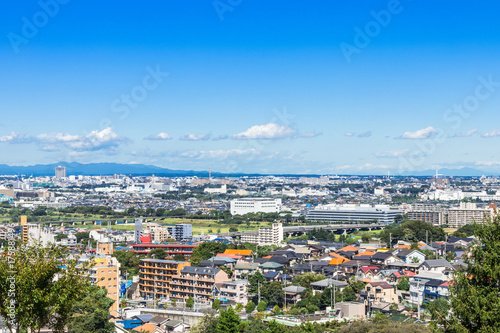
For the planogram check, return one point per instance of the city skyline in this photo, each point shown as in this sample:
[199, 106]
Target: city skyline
[252, 87]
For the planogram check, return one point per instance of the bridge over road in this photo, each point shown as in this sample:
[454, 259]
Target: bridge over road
[299, 230]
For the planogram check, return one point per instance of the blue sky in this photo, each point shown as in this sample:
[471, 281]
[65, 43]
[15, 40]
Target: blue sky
[325, 87]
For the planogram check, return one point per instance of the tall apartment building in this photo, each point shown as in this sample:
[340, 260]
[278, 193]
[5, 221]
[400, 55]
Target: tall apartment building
[155, 276]
[60, 172]
[197, 283]
[265, 236]
[353, 213]
[138, 231]
[105, 273]
[181, 231]
[433, 214]
[255, 205]
[468, 213]
[159, 234]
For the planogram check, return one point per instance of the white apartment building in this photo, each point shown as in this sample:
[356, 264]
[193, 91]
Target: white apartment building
[255, 205]
[159, 233]
[265, 236]
[467, 213]
[235, 292]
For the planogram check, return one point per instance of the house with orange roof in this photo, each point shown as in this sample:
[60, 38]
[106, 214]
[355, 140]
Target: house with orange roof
[246, 254]
[148, 328]
[337, 261]
[348, 248]
[366, 253]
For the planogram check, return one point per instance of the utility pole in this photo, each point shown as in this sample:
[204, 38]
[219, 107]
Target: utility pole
[258, 291]
[390, 241]
[427, 237]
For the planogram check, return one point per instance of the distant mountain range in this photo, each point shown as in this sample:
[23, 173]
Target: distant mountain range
[462, 172]
[96, 169]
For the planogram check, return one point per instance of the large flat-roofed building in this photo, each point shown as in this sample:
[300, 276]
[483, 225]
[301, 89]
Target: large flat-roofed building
[433, 214]
[468, 213]
[353, 213]
[265, 236]
[181, 231]
[255, 205]
[155, 276]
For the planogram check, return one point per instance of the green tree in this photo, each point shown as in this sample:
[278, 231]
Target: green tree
[205, 251]
[306, 279]
[238, 307]
[393, 308]
[60, 237]
[475, 289]
[189, 302]
[255, 326]
[276, 310]
[207, 324]
[229, 321]
[403, 284]
[91, 313]
[48, 283]
[365, 238]
[216, 304]
[173, 302]
[272, 293]
[262, 306]
[158, 253]
[467, 230]
[439, 310]
[250, 307]
[129, 261]
[179, 257]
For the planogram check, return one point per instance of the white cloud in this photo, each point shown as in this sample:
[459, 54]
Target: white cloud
[269, 131]
[491, 134]
[159, 136]
[365, 134]
[349, 134]
[392, 153]
[95, 140]
[308, 135]
[423, 133]
[57, 137]
[466, 134]
[487, 163]
[221, 137]
[195, 137]
[15, 137]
